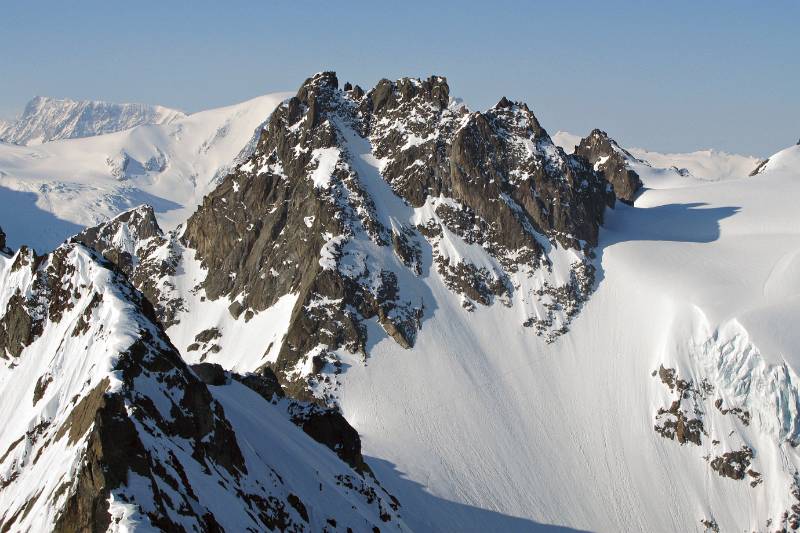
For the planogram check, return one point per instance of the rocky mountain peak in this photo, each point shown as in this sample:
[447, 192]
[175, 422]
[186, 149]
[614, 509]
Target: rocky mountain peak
[127, 228]
[136, 245]
[388, 95]
[601, 141]
[519, 115]
[351, 203]
[611, 161]
[505, 103]
[320, 80]
[348, 192]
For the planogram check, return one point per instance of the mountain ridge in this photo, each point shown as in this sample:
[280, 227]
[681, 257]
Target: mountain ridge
[48, 119]
[121, 434]
[444, 298]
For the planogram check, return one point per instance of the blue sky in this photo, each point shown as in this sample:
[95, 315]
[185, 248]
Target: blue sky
[669, 76]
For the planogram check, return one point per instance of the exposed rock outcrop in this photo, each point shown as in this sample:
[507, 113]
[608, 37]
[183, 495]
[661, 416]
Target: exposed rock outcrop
[3, 248]
[734, 464]
[350, 197]
[329, 207]
[125, 432]
[687, 420]
[611, 161]
[759, 167]
[134, 242]
[683, 420]
[325, 425]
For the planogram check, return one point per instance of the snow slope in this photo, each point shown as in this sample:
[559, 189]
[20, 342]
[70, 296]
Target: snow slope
[702, 278]
[483, 425]
[48, 119]
[106, 428]
[51, 191]
[671, 404]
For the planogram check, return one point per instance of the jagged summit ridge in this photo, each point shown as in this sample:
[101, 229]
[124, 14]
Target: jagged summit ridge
[352, 205]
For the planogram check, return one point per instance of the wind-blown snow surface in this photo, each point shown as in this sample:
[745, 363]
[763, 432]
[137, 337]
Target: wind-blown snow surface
[51, 191]
[708, 165]
[702, 278]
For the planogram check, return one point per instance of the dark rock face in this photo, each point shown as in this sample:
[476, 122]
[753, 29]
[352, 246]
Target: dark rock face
[501, 164]
[335, 180]
[157, 437]
[682, 421]
[16, 327]
[3, 248]
[733, 464]
[205, 342]
[48, 299]
[742, 414]
[210, 373]
[113, 448]
[790, 519]
[132, 226]
[265, 383]
[759, 167]
[325, 425]
[610, 160]
[329, 427]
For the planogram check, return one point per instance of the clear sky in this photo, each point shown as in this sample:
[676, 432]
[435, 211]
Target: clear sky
[670, 76]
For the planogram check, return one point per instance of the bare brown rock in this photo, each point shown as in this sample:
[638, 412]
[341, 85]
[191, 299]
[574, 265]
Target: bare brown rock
[611, 161]
[261, 231]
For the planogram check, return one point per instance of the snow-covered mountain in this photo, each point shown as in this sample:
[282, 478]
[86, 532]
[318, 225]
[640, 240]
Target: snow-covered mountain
[49, 119]
[708, 165]
[53, 190]
[105, 427]
[524, 337]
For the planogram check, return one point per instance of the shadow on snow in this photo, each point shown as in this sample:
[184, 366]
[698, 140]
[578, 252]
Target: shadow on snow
[25, 223]
[422, 511]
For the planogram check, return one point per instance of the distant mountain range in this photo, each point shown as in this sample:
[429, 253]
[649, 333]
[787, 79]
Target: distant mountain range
[49, 119]
[64, 185]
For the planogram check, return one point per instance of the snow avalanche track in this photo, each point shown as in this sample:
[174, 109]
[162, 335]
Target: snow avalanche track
[700, 278]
